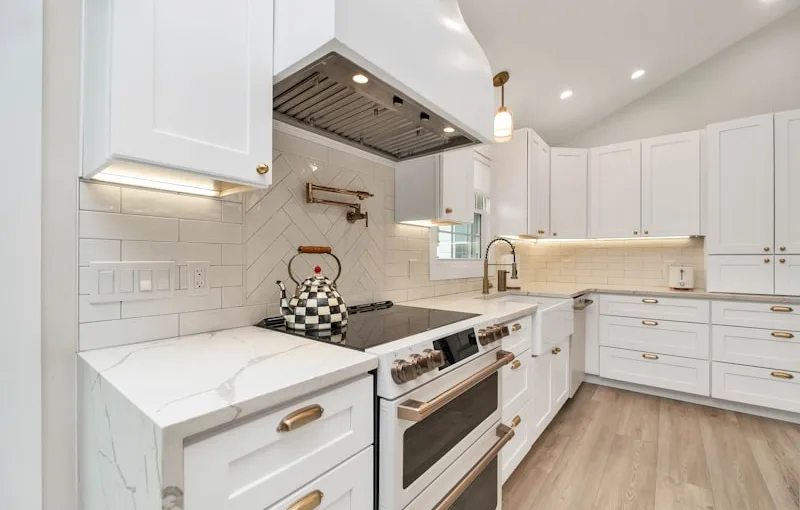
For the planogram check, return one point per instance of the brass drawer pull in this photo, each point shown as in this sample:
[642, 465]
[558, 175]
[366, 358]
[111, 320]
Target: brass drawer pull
[516, 364]
[516, 327]
[782, 375]
[782, 334]
[308, 502]
[556, 350]
[782, 309]
[650, 323]
[516, 420]
[448, 210]
[649, 356]
[297, 419]
[649, 300]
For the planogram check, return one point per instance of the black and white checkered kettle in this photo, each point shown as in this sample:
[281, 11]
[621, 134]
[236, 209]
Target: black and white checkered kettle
[316, 304]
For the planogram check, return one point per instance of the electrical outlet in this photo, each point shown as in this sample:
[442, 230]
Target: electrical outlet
[198, 273]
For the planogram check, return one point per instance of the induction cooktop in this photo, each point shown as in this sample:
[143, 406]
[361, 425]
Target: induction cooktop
[375, 324]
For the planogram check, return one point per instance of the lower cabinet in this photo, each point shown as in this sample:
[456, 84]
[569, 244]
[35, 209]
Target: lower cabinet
[518, 447]
[559, 376]
[658, 370]
[778, 389]
[541, 405]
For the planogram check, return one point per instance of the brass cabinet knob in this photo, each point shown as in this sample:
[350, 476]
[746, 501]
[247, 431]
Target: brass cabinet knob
[783, 261]
[262, 168]
[540, 231]
[556, 350]
[766, 248]
[646, 232]
[636, 232]
[555, 233]
[516, 420]
[448, 210]
[516, 327]
[766, 261]
[516, 364]
[783, 248]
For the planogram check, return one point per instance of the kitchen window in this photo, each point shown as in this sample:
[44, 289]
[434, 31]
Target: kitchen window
[457, 250]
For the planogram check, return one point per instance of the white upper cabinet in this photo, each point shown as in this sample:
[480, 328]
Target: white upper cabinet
[436, 189]
[741, 187]
[568, 193]
[787, 183]
[671, 185]
[520, 185]
[179, 85]
[615, 190]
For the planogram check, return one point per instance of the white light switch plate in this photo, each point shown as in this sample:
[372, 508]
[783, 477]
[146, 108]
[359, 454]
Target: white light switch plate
[132, 281]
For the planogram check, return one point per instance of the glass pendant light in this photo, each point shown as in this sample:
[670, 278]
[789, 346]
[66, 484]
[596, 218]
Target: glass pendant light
[503, 118]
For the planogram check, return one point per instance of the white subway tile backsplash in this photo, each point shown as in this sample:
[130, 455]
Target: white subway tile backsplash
[98, 250]
[232, 296]
[95, 335]
[180, 253]
[99, 197]
[232, 212]
[157, 203]
[225, 276]
[210, 232]
[94, 312]
[225, 318]
[100, 225]
[232, 255]
[182, 302]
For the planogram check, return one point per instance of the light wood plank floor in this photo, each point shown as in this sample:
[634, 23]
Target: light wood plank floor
[612, 449]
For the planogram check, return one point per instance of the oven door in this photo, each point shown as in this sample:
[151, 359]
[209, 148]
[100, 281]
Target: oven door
[423, 432]
[473, 481]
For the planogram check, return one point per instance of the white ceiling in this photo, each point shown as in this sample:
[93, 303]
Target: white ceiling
[593, 46]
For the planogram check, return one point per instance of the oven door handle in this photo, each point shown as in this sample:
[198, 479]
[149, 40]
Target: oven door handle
[414, 410]
[505, 434]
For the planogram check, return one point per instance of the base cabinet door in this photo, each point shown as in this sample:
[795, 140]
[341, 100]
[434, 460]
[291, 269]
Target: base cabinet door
[540, 406]
[778, 389]
[648, 369]
[744, 274]
[787, 275]
[515, 384]
[516, 449]
[560, 376]
[349, 486]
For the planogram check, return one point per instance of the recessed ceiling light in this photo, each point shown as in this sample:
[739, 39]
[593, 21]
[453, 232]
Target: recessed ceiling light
[448, 129]
[637, 74]
[566, 94]
[360, 78]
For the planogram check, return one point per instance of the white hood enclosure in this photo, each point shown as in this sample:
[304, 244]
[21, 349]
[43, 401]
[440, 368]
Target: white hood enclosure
[425, 72]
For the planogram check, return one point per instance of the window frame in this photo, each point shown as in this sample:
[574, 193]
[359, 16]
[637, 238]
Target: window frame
[450, 269]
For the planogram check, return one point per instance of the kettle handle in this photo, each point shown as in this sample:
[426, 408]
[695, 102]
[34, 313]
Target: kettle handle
[322, 250]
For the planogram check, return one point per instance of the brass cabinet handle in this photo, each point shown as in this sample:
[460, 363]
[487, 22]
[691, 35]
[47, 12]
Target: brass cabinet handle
[517, 363]
[650, 323]
[783, 248]
[414, 410]
[448, 210]
[766, 261]
[647, 355]
[555, 233]
[781, 309]
[540, 231]
[516, 420]
[262, 168]
[649, 300]
[646, 232]
[556, 350]
[782, 334]
[506, 434]
[297, 419]
[636, 232]
[516, 327]
[308, 502]
[766, 248]
[782, 375]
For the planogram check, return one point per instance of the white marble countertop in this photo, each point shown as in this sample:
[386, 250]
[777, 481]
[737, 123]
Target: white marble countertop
[202, 381]
[471, 302]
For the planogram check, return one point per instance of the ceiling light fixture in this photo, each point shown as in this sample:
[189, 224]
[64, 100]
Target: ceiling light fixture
[566, 94]
[448, 129]
[503, 118]
[360, 78]
[637, 74]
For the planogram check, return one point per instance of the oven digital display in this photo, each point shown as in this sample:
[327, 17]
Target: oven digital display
[457, 347]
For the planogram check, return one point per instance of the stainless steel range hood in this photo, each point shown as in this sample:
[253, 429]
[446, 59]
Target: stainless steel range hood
[426, 72]
[372, 116]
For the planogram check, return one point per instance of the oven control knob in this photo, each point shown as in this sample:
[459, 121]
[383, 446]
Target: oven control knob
[403, 371]
[502, 330]
[435, 358]
[420, 363]
[485, 336]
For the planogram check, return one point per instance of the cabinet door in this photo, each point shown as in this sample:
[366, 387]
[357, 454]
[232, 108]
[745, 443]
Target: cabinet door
[510, 185]
[741, 187]
[615, 190]
[787, 275]
[191, 85]
[416, 186]
[745, 274]
[539, 186]
[569, 193]
[671, 185]
[457, 186]
[787, 182]
[560, 376]
[592, 315]
[540, 403]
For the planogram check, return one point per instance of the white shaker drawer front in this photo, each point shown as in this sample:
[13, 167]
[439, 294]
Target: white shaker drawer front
[348, 486]
[756, 347]
[757, 386]
[661, 371]
[519, 338]
[686, 339]
[516, 449]
[515, 384]
[654, 307]
[252, 466]
[775, 316]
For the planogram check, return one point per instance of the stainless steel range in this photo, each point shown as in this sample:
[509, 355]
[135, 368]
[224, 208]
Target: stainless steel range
[439, 403]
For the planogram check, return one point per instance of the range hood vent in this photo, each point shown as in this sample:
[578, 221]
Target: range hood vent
[324, 99]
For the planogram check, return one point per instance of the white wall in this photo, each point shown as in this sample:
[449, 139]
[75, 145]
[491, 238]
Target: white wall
[759, 74]
[20, 227]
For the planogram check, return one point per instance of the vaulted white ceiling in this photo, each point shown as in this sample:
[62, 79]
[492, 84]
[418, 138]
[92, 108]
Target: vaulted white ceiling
[593, 46]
